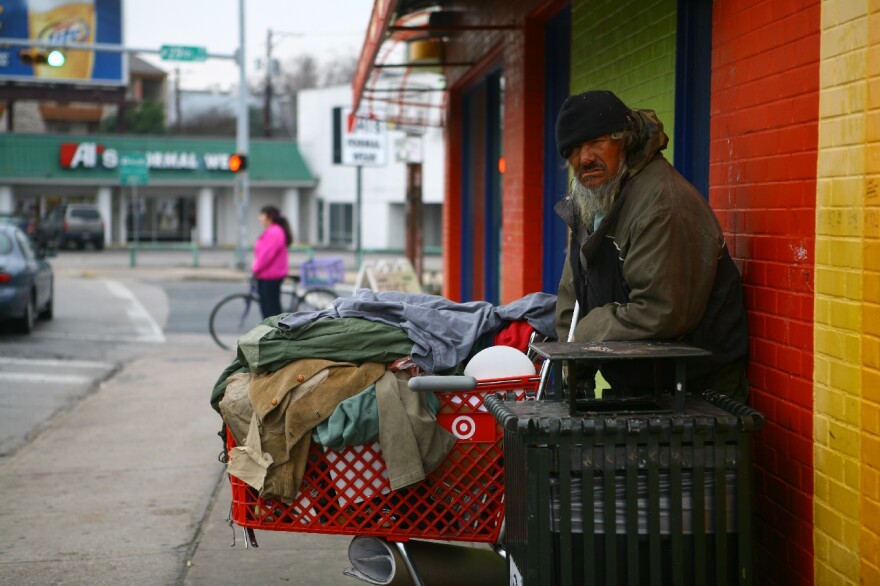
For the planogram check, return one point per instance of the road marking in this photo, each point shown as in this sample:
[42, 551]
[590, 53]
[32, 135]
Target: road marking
[91, 337]
[57, 379]
[144, 324]
[51, 362]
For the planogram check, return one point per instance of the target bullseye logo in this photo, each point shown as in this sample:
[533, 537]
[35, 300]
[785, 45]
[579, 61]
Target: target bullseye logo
[464, 427]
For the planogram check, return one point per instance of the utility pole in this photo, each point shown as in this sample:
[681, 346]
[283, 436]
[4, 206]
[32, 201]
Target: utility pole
[267, 91]
[271, 70]
[242, 130]
[178, 118]
[414, 238]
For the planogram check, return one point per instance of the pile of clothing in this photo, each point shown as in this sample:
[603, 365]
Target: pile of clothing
[339, 378]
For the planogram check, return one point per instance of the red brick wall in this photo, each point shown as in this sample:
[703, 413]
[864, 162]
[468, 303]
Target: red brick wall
[520, 50]
[764, 131]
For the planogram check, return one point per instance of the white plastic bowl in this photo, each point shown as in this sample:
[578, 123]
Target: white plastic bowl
[499, 362]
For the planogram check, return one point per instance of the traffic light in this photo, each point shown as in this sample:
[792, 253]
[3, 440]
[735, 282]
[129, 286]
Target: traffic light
[35, 56]
[238, 162]
[55, 58]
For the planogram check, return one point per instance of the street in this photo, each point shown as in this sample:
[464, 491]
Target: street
[108, 444]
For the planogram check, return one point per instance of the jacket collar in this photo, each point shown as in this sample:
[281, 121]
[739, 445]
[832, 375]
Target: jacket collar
[651, 139]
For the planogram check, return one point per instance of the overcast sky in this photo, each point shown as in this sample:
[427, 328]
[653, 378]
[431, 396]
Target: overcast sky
[329, 28]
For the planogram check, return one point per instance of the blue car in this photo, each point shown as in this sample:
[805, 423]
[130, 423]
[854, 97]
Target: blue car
[26, 280]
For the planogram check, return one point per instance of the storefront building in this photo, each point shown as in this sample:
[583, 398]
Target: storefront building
[383, 187]
[190, 195]
[772, 108]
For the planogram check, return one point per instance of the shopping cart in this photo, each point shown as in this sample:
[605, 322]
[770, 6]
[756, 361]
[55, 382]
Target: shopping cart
[348, 492]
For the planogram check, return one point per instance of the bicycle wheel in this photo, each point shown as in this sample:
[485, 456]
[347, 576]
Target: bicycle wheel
[232, 317]
[317, 299]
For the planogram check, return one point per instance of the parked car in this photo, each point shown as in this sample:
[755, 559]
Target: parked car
[26, 280]
[19, 220]
[71, 224]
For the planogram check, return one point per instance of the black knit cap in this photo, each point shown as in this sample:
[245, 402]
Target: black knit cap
[589, 115]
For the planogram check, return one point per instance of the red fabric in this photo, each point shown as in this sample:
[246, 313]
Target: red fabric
[515, 335]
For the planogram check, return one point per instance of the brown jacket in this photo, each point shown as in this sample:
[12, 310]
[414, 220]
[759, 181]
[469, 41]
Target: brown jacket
[288, 404]
[657, 267]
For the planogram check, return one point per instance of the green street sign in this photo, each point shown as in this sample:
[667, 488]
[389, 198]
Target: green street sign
[182, 53]
[133, 169]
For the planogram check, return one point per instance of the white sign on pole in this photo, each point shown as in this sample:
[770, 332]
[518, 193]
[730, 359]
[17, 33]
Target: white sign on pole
[388, 275]
[366, 144]
[409, 149]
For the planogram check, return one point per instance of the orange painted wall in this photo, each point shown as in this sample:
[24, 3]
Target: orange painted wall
[764, 127]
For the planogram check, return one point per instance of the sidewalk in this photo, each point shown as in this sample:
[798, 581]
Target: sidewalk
[304, 559]
[115, 490]
[216, 264]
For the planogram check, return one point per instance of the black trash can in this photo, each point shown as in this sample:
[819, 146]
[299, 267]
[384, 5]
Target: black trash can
[660, 497]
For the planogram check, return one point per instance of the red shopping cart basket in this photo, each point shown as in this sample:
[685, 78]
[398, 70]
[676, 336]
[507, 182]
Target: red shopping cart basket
[347, 492]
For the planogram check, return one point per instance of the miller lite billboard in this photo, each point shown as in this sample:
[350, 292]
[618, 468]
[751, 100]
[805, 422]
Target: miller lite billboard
[64, 21]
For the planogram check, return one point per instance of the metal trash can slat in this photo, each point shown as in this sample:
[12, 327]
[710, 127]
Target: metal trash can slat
[659, 498]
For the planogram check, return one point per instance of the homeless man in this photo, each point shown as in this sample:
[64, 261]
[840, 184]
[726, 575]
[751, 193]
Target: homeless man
[647, 258]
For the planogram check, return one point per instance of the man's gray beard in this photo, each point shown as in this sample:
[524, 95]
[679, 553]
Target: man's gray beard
[596, 200]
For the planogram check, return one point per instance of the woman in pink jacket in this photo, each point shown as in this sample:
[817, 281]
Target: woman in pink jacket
[270, 266]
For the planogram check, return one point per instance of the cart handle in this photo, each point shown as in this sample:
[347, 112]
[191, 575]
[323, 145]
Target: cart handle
[444, 384]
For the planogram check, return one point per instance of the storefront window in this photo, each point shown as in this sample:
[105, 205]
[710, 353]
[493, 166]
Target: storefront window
[341, 224]
[161, 219]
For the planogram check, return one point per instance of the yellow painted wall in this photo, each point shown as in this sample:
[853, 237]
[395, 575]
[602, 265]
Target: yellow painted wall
[869, 504]
[847, 297]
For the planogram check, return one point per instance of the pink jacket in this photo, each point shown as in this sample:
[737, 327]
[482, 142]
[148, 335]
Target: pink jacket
[270, 254]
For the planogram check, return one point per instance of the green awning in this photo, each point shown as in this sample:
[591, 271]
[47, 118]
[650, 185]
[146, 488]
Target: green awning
[79, 160]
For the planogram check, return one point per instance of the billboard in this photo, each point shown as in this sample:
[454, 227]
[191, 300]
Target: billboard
[64, 21]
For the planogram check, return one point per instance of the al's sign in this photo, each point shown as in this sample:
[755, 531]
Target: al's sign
[88, 155]
[364, 143]
[94, 155]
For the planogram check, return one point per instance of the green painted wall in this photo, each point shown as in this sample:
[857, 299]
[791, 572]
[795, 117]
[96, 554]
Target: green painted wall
[628, 47]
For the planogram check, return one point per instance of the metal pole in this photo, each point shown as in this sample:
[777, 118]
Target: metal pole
[359, 252]
[100, 47]
[178, 113]
[267, 91]
[241, 146]
[135, 215]
[414, 240]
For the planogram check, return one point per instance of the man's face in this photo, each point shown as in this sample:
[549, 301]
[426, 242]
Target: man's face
[597, 161]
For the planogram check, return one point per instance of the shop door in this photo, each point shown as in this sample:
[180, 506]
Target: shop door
[693, 80]
[556, 89]
[482, 154]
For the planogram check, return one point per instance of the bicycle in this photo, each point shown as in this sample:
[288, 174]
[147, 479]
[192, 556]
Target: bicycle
[233, 315]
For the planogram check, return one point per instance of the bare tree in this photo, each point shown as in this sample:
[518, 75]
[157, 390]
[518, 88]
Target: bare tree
[306, 72]
[339, 70]
[219, 122]
[301, 73]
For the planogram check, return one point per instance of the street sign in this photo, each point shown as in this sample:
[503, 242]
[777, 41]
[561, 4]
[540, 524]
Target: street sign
[182, 53]
[133, 169]
[362, 145]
